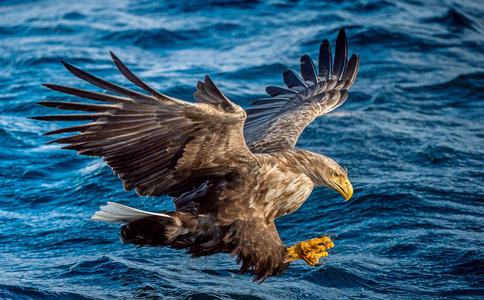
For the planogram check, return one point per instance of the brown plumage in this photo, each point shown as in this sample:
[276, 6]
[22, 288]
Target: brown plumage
[230, 172]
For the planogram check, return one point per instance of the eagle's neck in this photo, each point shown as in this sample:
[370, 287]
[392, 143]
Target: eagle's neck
[304, 162]
[313, 165]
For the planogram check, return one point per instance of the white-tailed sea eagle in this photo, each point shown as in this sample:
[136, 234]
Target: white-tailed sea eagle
[231, 172]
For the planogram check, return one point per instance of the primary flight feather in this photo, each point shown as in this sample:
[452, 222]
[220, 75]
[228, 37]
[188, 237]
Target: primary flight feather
[230, 172]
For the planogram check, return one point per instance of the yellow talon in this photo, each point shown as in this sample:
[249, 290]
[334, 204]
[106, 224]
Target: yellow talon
[310, 251]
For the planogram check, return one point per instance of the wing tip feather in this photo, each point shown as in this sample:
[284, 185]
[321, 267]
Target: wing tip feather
[69, 67]
[330, 81]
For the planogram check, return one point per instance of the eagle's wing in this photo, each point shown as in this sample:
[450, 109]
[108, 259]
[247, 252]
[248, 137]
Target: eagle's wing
[274, 124]
[156, 144]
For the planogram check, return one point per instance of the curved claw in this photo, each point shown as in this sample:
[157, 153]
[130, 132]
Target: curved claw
[321, 263]
[333, 236]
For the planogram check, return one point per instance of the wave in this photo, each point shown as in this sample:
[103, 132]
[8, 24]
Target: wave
[26, 292]
[410, 134]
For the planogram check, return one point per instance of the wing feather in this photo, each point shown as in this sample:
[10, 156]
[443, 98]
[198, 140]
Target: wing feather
[77, 106]
[156, 144]
[274, 91]
[208, 93]
[135, 96]
[325, 60]
[134, 79]
[275, 124]
[340, 55]
[292, 79]
[90, 95]
[308, 70]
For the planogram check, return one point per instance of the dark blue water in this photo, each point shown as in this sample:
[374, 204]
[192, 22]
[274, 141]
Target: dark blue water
[411, 135]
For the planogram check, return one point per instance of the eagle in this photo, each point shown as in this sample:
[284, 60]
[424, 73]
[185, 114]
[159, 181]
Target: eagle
[230, 172]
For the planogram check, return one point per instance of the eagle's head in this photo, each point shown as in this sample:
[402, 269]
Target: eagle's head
[324, 171]
[333, 176]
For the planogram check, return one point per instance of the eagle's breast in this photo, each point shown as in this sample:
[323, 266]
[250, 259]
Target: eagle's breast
[272, 189]
[280, 188]
[289, 195]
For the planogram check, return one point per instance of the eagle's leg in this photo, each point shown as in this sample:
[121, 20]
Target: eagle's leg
[311, 251]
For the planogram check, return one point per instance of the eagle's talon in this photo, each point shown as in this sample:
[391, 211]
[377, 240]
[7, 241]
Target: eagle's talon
[312, 250]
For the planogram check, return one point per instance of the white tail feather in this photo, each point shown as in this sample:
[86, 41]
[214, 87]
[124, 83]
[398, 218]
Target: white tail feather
[115, 212]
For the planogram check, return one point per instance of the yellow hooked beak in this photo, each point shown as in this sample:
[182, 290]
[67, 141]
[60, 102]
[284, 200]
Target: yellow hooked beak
[345, 189]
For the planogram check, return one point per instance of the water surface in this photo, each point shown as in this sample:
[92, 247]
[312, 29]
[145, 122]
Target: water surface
[411, 135]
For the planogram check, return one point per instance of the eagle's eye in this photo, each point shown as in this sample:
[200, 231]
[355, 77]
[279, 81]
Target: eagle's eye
[334, 174]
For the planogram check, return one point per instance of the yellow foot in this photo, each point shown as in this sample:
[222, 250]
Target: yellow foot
[311, 251]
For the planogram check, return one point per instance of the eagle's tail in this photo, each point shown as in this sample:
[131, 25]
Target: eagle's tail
[118, 213]
[173, 229]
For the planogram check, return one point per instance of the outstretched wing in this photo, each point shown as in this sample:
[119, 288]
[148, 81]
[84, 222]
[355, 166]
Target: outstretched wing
[274, 124]
[156, 144]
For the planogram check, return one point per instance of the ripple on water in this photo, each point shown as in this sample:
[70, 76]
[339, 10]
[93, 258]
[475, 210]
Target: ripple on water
[410, 134]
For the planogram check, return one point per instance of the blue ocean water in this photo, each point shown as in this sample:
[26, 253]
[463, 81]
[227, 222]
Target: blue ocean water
[411, 135]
